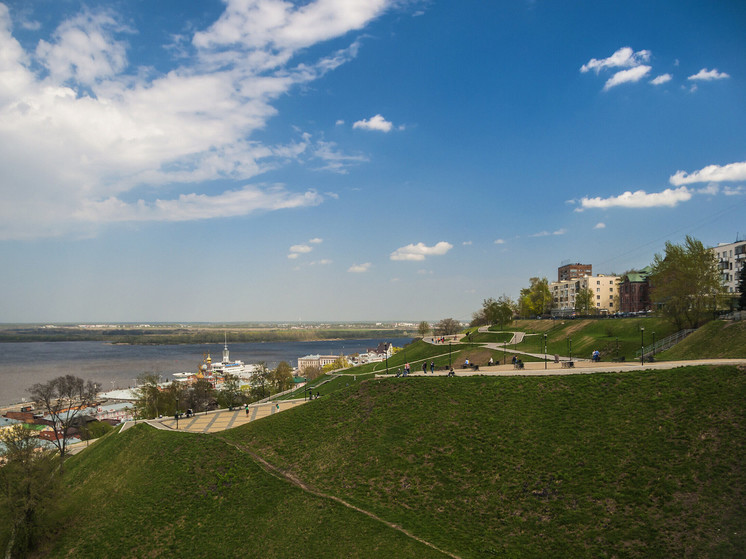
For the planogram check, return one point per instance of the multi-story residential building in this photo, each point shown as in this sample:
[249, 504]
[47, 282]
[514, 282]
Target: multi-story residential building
[731, 258]
[604, 289]
[574, 271]
[634, 291]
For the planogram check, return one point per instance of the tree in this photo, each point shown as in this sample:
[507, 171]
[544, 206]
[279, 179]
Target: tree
[149, 398]
[536, 299]
[201, 394]
[504, 311]
[312, 373]
[584, 301]
[260, 381]
[29, 481]
[742, 287]
[282, 376]
[230, 394]
[423, 328]
[685, 283]
[64, 399]
[447, 327]
[339, 363]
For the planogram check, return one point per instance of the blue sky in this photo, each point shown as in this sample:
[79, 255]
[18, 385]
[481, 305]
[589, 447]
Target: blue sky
[354, 160]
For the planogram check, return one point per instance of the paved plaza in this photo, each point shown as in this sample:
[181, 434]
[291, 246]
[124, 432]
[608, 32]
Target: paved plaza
[220, 420]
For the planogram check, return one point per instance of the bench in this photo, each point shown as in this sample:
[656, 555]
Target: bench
[568, 365]
[518, 365]
[618, 359]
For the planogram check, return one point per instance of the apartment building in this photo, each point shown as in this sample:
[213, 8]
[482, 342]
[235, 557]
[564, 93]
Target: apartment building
[731, 258]
[605, 290]
[568, 272]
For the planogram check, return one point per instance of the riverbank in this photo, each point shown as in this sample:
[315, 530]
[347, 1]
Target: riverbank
[187, 334]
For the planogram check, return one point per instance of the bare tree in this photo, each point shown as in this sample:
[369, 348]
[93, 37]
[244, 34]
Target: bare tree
[64, 399]
[447, 326]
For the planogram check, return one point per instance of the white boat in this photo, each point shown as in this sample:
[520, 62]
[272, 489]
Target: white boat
[226, 366]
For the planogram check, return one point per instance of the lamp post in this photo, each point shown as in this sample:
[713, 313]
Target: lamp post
[653, 346]
[617, 348]
[177, 414]
[642, 345]
[545, 350]
[387, 362]
[449, 355]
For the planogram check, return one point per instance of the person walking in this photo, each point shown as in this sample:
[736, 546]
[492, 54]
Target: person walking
[432, 367]
[247, 410]
[424, 367]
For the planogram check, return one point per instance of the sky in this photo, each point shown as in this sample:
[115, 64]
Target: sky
[355, 160]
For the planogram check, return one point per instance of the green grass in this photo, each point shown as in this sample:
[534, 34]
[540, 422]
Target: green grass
[148, 493]
[607, 465]
[715, 339]
[640, 464]
[588, 335]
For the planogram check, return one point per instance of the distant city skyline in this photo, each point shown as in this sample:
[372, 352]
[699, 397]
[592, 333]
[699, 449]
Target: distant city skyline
[364, 160]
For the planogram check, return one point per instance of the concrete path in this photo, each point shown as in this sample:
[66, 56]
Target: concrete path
[220, 420]
[580, 368]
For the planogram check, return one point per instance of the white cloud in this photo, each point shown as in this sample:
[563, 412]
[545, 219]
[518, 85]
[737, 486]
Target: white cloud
[547, 233]
[625, 57]
[499, 241]
[627, 76]
[316, 241]
[467, 243]
[359, 268]
[708, 75]
[711, 173]
[334, 160]
[600, 225]
[639, 199]
[374, 123]
[301, 249]
[81, 128]
[663, 78]
[419, 251]
[734, 190]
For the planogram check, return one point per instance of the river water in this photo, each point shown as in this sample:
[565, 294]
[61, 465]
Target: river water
[117, 366]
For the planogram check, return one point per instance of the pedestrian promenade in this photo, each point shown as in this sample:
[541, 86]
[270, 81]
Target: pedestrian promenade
[220, 420]
[536, 368]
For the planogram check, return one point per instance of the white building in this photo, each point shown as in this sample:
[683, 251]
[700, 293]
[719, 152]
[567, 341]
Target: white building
[605, 290]
[731, 259]
[315, 361]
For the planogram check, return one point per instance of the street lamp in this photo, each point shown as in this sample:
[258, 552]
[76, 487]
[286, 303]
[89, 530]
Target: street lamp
[177, 414]
[617, 348]
[642, 345]
[449, 355]
[545, 350]
[653, 346]
[387, 362]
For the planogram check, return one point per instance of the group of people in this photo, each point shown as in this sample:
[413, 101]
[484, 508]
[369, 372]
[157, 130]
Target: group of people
[596, 356]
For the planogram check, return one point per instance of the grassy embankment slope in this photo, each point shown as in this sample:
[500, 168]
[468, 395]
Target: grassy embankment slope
[641, 464]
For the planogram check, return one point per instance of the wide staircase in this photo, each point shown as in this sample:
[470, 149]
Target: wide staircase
[664, 344]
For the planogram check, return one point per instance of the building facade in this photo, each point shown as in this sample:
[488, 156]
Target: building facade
[315, 361]
[634, 291]
[731, 259]
[568, 272]
[604, 289]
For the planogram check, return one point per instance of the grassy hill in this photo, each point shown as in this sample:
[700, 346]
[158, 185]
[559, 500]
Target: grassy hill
[715, 339]
[647, 464]
[148, 493]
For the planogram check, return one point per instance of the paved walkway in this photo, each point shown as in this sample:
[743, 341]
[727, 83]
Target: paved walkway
[219, 420]
[580, 368]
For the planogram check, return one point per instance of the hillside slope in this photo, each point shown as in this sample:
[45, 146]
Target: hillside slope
[607, 465]
[148, 493]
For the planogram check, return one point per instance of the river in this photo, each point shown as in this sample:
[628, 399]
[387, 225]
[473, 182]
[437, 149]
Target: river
[117, 366]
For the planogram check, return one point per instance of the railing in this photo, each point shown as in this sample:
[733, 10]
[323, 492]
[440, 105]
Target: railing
[664, 344]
